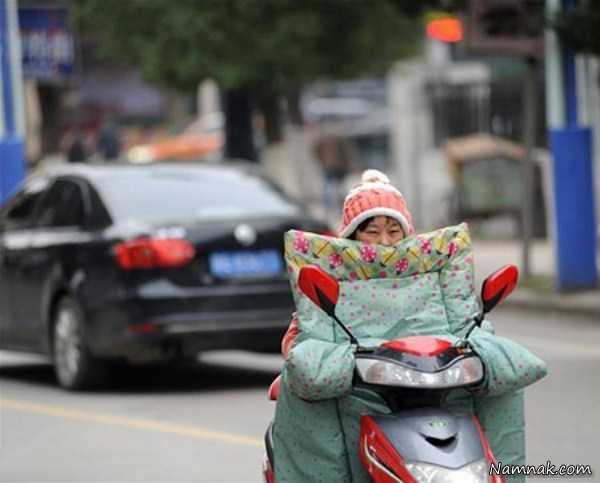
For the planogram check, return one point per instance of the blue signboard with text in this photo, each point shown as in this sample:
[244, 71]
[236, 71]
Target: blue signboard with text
[47, 44]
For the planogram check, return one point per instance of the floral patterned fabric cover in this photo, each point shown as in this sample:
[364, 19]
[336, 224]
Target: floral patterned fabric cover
[421, 286]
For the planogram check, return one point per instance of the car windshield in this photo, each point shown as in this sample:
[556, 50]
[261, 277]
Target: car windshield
[166, 195]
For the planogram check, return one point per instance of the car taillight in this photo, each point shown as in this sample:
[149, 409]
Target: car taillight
[154, 253]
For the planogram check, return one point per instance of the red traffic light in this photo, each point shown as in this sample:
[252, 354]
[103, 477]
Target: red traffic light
[445, 29]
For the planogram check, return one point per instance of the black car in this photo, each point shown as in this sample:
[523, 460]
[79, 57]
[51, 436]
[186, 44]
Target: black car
[144, 263]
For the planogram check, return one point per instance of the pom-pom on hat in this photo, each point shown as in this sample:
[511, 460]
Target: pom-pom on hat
[374, 196]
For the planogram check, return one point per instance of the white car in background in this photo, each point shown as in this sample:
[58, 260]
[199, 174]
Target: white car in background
[203, 139]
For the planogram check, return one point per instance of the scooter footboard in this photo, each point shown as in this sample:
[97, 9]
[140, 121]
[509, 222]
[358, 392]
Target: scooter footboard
[414, 444]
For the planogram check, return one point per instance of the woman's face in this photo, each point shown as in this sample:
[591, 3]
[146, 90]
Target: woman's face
[381, 230]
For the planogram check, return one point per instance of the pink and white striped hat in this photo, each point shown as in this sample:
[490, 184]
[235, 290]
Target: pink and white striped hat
[374, 196]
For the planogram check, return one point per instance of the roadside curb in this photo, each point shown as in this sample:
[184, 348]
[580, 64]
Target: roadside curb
[584, 303]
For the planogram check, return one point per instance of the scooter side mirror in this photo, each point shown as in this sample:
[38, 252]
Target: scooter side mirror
[320, 287]
[498, 286]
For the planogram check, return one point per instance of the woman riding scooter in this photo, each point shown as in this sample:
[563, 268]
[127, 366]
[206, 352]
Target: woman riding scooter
[374, 212]
[431, 292]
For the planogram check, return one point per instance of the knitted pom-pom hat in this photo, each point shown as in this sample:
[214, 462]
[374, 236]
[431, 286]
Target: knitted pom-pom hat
[374, 196]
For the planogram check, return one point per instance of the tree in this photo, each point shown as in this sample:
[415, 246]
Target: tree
[578, 27]
[259, 51]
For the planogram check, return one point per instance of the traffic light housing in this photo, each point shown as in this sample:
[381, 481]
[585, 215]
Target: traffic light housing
[510, 27]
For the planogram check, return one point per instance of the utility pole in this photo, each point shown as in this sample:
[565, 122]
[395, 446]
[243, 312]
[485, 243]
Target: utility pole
[530, 117]
[12, 121]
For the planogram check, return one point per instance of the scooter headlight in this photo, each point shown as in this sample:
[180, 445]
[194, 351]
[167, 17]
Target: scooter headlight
[466, 371]
[477, 472]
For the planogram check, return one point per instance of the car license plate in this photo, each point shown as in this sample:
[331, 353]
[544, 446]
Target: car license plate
[245, 264]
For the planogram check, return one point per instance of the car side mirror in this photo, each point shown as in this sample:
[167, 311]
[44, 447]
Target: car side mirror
[320, 287]
[498, 286]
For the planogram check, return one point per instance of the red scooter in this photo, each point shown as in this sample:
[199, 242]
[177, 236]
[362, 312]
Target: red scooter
[419, 441]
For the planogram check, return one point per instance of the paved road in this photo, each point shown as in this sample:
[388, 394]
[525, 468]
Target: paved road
[205, 424]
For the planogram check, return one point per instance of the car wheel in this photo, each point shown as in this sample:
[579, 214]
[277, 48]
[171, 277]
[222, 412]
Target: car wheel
[74, 366]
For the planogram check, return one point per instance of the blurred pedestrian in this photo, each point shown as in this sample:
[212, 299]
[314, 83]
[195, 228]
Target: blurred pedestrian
[77, 152]
[337, 157]
[109, 142]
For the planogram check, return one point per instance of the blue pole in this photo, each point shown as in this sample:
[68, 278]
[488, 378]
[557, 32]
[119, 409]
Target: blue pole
[12, 155]
[9, 117]
[570, 78]
[574, 208]
[571, 146]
